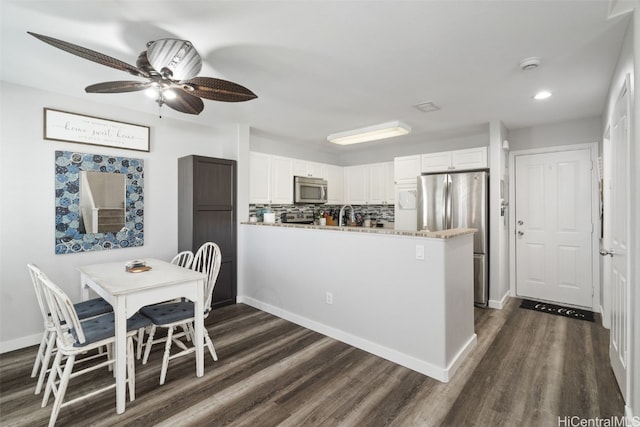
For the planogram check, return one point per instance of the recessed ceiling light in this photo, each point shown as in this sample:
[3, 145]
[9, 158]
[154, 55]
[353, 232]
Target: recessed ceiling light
[543, 94]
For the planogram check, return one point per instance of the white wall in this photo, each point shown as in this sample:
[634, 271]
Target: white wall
[263, 143]
[371, 152]
[498, 227]
[27, 197]
[382, 151]
[415, 312]
[579, 131]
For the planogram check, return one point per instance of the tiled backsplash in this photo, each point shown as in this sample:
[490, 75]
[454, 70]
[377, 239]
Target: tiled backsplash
[379, 213]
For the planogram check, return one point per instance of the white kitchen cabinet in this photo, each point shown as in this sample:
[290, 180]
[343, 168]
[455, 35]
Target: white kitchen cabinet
[381, 183]
[281, 180]
[356, 180]
[391, 184]
[309, 169]
[259, 178]
[472, 158]
[377, 183]
[270, 179]
[406, 169]
[335, 184]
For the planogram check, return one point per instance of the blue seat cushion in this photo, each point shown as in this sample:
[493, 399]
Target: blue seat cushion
[103, 327]
[91, 308]
[163, 314]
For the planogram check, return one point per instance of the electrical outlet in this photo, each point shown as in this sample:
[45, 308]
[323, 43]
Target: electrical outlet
[419, 252]
[329, 298]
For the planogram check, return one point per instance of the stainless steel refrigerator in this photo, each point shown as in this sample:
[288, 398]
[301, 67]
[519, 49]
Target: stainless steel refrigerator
[459, 200]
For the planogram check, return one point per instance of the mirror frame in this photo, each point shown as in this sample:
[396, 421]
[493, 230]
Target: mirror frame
[68, 165]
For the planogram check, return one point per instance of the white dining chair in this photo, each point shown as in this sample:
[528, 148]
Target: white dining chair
[85, 310]
[171, 315]
[75, 337]
[182, 259]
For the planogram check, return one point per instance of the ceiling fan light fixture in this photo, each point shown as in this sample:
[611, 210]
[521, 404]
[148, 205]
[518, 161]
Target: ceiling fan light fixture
[370, 133]
[151, 92]
[175, 59]
[169, 94]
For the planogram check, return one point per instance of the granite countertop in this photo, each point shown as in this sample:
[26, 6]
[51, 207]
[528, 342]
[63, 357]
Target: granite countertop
[444, 234]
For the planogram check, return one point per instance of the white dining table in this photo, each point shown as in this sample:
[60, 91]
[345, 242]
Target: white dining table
[127, 292]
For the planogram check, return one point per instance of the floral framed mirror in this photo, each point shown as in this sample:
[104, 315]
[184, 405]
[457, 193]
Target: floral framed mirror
[99, 202]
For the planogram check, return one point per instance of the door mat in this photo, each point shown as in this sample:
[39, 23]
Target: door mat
[574, 313]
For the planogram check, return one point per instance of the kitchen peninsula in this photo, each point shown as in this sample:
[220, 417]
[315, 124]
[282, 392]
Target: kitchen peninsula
[405, 296]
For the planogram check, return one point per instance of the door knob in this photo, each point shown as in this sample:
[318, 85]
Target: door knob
[520, 222]
[609, 252]
[520, 233]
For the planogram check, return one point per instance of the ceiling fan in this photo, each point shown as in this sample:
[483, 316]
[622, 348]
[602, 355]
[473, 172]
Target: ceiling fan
[170, 67]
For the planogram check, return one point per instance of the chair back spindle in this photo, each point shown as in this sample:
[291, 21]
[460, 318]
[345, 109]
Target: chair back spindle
[207, 260]
[183, 259]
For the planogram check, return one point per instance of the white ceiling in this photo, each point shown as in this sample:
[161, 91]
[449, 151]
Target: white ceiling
[320, 67]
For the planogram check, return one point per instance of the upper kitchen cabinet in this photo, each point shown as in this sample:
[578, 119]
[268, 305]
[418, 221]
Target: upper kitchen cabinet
[356, 184]
[369, 184]
[308, 169]
[259, 178]
[406, 169]
[381, 183]
[335, 184]
[270, 179]
[472, 158]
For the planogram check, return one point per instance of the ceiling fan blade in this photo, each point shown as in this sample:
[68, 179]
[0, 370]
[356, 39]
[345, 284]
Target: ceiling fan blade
[185, 103]
[91, 55]
[117, 87]
[219, 90]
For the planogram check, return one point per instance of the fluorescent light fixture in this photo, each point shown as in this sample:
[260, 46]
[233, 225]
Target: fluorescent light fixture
[543, 94]
[370, 133]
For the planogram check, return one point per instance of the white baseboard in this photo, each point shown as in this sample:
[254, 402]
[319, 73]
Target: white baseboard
[499, 304]
[18, 343]
[442, 374]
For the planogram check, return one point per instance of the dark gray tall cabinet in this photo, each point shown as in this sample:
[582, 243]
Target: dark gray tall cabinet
[207, 213]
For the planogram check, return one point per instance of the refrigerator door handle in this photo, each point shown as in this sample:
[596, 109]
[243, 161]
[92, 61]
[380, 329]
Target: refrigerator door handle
[448, 205]
[445, 198]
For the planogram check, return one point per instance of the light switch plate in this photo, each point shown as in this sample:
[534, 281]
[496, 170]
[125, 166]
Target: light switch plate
[419, 252]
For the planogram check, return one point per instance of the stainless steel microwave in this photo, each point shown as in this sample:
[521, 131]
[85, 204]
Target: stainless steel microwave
[309, 190]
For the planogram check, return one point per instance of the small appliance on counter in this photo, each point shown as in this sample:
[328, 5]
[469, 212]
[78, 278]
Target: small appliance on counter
[296, 217]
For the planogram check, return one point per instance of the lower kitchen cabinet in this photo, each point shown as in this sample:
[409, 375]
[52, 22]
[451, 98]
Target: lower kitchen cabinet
[206, 213]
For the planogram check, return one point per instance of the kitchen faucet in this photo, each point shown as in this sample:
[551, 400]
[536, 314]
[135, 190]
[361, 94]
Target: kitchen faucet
[352, 217]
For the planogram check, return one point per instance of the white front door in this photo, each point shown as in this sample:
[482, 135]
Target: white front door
[620, 292]
[554, 257]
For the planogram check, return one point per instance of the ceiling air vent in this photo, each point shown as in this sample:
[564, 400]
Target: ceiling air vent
[427, 107]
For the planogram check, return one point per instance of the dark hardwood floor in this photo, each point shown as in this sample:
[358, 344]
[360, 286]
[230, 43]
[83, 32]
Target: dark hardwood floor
[528, 368]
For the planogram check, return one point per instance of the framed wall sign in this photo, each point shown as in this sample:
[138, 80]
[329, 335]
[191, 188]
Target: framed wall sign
[71, 127]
